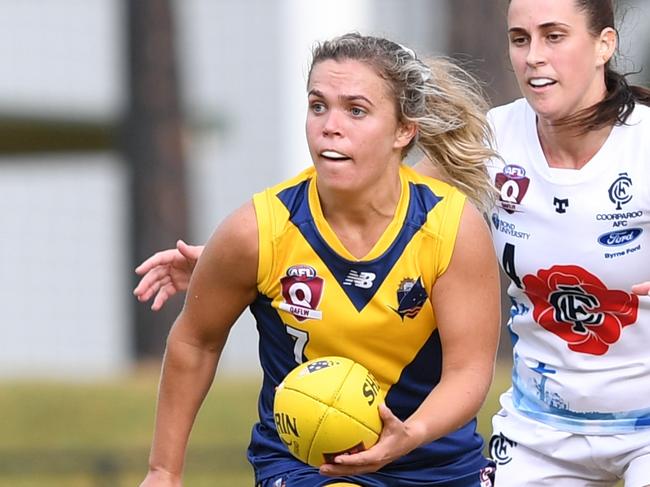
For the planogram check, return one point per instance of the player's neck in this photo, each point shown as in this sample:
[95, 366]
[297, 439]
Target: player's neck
[360, 222]
[566, 149]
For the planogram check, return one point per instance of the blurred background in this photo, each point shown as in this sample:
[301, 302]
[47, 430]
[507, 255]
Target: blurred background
[126, 124]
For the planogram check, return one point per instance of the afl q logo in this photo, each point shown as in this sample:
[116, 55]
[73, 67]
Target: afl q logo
[302, 290]
[510, 191]
[512, 184]
[620, 192]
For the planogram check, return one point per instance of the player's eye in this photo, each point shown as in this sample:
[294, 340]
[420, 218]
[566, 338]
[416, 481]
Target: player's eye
[317, 107]
[518, 40]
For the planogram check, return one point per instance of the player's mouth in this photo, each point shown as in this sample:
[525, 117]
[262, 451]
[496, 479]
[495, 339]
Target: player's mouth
[333, 155]
[541, 83]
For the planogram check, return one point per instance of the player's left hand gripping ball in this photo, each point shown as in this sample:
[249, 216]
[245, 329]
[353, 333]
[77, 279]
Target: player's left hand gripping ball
[327, 407]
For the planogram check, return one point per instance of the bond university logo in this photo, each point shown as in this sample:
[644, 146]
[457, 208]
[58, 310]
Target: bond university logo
[620, 192]
[364, 280]
[577, 307]
[411, 296]
[512, 184]
[508, 228]
[302, 290]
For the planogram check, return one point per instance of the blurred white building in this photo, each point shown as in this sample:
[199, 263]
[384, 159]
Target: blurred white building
[65, 294]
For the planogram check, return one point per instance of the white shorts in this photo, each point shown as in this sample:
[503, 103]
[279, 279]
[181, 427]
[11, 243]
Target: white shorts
[533, 454]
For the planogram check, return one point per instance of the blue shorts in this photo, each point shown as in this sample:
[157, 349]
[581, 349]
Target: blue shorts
[309, 477]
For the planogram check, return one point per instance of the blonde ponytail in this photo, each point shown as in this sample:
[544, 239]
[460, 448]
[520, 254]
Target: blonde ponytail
[453, 131]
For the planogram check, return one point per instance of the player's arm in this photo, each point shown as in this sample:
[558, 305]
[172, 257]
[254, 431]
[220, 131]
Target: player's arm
[222, 285]
[466, 302]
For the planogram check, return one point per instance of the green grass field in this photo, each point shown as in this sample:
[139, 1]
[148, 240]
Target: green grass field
[92, 435]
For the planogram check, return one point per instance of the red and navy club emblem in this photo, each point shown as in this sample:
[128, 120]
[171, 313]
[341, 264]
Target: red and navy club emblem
[302, 290]
[411, 296]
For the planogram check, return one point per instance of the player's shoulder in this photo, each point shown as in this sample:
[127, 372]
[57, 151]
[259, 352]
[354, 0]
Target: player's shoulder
[436, 185]
[640, 116]
[240, 228]
[283, 196]
[512, 112]
[301, 177]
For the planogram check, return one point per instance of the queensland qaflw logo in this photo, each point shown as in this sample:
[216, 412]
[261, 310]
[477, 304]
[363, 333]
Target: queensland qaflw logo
[302, 290]
[512, 184]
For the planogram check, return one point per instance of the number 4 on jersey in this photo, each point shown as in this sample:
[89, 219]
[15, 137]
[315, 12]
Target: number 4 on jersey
[508, 263]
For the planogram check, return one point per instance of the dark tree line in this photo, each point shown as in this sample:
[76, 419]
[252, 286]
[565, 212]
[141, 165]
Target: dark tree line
[153, 145]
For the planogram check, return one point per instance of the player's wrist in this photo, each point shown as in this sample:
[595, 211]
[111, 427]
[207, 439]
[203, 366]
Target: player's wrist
[418, 432]
[165, 473]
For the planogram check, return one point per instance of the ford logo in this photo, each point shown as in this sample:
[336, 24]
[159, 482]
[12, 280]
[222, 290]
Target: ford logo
[619, 237]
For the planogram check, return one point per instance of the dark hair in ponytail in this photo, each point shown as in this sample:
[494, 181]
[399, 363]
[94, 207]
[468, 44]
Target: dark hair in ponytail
[621, 97]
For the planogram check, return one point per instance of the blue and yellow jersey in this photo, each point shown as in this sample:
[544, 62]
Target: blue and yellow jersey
[316, 299]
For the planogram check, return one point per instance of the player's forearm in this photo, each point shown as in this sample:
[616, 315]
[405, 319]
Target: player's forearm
[187, 374]
[452, 404]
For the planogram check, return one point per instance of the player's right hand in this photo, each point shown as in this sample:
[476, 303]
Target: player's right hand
[166, 273]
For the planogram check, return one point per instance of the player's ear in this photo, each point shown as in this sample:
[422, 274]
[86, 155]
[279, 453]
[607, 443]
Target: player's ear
[405, 133]
[606, 46]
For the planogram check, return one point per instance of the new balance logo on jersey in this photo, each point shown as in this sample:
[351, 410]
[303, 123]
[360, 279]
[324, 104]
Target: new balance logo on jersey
[364, 280]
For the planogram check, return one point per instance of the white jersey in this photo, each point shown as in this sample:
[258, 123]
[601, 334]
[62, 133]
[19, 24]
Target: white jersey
[573, 242]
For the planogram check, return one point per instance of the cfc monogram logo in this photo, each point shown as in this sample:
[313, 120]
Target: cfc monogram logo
[501, 449]
[576, 306]
[573, 305]
[620, 192]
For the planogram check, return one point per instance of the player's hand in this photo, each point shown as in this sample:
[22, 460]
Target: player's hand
[642, 289]
[166, 273]
[158, 478]
[394, 442]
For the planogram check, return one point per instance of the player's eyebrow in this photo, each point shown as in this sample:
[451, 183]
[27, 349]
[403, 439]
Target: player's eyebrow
[347, 98]
[544, 26]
